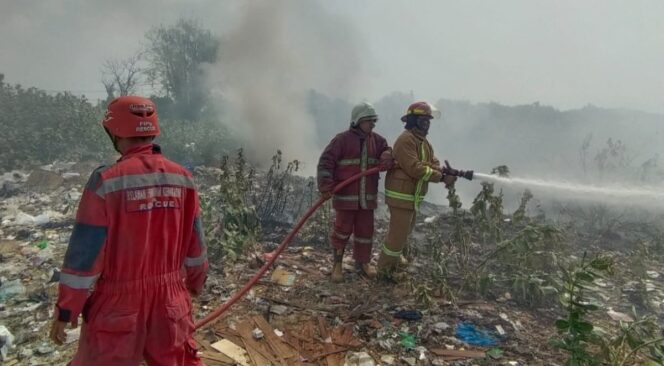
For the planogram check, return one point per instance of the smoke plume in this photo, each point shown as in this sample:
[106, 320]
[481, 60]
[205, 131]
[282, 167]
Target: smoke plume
[279, 51]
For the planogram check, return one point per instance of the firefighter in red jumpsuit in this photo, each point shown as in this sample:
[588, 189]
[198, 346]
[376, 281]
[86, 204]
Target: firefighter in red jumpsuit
[136, 252]
[349, 153]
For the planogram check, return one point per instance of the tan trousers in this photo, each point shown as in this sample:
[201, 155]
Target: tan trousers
[402, 222]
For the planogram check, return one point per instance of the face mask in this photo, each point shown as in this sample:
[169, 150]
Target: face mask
[423, 125]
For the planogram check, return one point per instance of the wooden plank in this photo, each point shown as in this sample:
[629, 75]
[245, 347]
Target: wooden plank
[255, 356]
[282, 350]
[204, 343]
[217, 357]
[332, 359]
[232, 350]
[457, 353]
[245, 329]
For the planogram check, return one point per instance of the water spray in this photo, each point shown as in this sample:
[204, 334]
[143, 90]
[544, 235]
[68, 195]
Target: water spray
[647, 194]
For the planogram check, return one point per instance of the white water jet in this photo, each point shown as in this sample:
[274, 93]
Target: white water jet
[647, 195]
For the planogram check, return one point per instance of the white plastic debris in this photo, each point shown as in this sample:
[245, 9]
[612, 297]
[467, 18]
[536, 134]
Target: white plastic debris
[10, 289]
[410, 361]
[617, 316]
[70, 175]
[23, 219]
[430, 219]
[441, 327]
[7, 341]
[359, 359]
[387, 359]
[257, 334]
[652, 274]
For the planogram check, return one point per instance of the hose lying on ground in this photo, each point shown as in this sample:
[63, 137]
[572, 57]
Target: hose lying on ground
[214, 314]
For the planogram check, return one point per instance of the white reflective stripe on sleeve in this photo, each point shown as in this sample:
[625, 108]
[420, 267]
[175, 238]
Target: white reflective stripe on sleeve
[78, 282]
[195, 261]
[363, 240]
[340, 235]
[144, 180]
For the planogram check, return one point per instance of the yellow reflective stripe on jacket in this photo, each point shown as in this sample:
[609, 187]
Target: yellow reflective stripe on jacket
[416, 198]
[390, 252]
[401, 196]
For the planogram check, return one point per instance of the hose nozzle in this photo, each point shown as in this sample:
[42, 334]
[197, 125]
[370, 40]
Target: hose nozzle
[467, 174]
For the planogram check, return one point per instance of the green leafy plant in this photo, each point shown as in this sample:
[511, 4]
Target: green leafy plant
[231, 221]
[576, 332]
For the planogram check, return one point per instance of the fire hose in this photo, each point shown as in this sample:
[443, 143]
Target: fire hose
[240, 294]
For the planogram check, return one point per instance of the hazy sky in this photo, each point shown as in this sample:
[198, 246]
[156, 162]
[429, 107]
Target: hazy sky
[565, 53]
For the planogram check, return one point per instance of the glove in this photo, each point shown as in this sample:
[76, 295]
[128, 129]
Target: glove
[386, 161]
[449, 180]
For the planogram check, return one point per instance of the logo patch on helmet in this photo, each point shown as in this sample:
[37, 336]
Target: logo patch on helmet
[141, 108]
[145, 126]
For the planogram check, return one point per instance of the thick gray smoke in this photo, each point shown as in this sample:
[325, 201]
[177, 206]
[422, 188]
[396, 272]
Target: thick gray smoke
[279, 51]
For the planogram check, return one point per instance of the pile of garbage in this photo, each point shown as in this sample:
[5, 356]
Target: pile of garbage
[294, 315]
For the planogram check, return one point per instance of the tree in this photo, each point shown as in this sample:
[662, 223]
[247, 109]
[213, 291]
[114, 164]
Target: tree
[122, 75]
[175, 55]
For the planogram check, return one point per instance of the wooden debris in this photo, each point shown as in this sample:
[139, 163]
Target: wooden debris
[457, 354]
[282, 350]
[253, 346]
[232, 350]
[332, 358]
[215, 358]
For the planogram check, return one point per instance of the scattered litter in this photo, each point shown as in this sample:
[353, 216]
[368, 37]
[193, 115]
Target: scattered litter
[278, 309]
[500, 330]
[70, 175]
[422, 351]
[652, 274]
[622, 317]
[45, 349]
[410, 361]
[441, 327]
[42, 244]
[6, 342]
[410, 315]
[282, 277]
[387, 359]
[26, 353]
[12, 288]
[359, 359]
[457, 354]
[407, 340]
[469, 333]
[257, 334]
[235, 352]
[495, 353]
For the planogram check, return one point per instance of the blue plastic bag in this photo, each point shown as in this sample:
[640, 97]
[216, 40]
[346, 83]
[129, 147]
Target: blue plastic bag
[472, 335]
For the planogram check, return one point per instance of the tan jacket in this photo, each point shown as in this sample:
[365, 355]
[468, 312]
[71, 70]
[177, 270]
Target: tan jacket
[407, 184]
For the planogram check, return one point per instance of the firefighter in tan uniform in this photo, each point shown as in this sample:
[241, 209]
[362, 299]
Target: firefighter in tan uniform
[407, 183]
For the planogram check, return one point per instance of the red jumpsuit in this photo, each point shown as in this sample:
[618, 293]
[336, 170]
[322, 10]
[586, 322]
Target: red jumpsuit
[349, 153]
[138, 240]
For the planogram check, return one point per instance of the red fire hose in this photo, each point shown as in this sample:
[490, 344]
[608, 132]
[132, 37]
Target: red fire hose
[240, 294]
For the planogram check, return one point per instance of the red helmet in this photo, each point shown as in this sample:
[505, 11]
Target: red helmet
[131, 116]
[419, 109]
